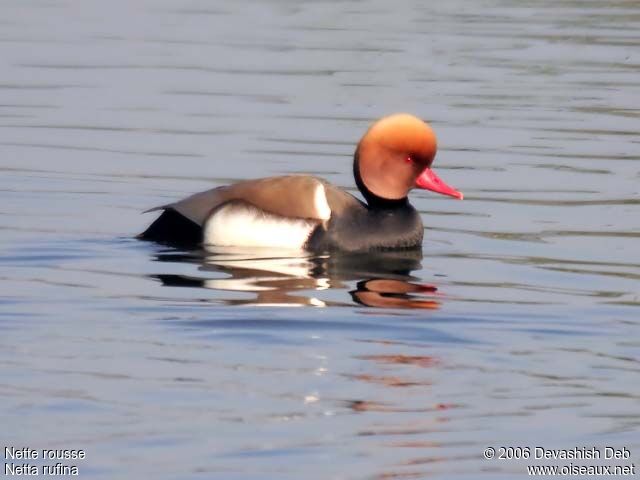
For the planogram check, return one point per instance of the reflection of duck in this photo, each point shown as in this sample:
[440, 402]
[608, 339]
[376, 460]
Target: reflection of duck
[383, 278]
[393, 294]
[304, 212]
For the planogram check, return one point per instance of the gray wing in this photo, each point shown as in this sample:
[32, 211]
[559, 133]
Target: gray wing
[298, 196]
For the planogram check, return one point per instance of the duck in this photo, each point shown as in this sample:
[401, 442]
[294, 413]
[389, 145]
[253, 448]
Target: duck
[304, 212]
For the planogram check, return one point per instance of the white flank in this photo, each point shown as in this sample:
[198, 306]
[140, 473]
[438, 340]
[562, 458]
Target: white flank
[250, 227]
[320, 201]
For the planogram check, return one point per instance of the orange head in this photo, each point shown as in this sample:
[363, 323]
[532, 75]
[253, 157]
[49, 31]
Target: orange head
[395, 155]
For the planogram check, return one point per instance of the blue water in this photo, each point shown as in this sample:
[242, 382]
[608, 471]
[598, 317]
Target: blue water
[517, 326]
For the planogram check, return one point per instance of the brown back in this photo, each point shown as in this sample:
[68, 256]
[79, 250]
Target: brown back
[288, 196]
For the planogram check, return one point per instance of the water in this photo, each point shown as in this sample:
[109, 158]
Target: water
[518, 326]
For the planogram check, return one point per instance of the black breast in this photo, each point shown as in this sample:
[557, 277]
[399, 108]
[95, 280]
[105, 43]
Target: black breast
[359, 227]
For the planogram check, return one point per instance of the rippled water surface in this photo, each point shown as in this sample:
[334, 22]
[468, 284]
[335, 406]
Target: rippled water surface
[518, 325]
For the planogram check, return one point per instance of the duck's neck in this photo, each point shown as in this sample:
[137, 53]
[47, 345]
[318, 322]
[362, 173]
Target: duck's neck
[374, 201]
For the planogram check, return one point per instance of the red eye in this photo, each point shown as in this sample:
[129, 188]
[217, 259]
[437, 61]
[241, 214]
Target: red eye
[408, 159]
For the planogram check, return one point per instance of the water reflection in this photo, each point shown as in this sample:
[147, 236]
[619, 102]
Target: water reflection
[284, 278]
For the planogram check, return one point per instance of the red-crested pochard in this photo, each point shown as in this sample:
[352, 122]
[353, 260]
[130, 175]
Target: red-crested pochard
[305, 212]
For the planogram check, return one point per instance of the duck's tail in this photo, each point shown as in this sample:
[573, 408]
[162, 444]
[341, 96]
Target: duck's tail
[173, 228]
